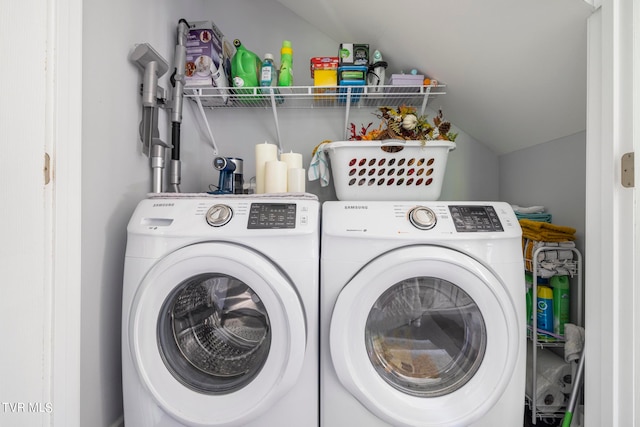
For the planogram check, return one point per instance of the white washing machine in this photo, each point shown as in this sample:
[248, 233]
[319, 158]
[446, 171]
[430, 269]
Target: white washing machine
[422, 315]
[220, 312]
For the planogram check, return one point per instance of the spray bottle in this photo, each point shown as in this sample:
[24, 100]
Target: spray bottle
[285, 78]
[376, 72]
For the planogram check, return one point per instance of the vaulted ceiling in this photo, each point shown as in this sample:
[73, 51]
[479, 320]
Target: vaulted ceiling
[515, 70]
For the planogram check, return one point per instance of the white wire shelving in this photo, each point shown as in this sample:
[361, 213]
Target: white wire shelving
[311, 97]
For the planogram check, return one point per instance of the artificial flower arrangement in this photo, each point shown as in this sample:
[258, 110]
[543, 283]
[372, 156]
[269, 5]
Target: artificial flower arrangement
[404, 123]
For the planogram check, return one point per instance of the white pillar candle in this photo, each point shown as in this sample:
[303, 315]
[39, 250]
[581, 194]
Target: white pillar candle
[293, 160]
[296, 180]
[275, 177]
[264, 153]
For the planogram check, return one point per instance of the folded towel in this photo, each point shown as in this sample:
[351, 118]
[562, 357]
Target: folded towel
[527, 210]
[547, 232]
[541, 217]
[319, 167]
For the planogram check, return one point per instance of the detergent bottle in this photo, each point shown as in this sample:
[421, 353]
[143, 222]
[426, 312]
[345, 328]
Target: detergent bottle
[544, 309]
[245, 68]
[285, 77]
[560, 286]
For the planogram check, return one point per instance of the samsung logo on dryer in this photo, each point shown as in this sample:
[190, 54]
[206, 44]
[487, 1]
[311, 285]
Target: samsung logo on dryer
[163, 205]
[356, 207]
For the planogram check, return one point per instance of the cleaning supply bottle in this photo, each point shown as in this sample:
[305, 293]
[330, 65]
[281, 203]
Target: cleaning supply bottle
[267, 72]
[376, 73]
[245, 67]
[285, 78]
[561, 303]
[544, 309]
[269, 76]
[528, 281]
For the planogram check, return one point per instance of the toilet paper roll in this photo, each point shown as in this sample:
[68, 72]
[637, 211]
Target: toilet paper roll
[296, 180]
[275, 174]
[552, 367]
[548, 397]
[293, 160]
[264, 153]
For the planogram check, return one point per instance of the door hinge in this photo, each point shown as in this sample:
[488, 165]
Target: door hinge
[627, 175]
[47, 168]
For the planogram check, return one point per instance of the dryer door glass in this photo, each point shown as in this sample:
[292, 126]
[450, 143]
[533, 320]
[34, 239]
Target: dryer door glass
[425, 337]
[214, 333]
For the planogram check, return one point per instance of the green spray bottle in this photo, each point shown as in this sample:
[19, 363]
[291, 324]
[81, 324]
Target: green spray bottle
[561, 303]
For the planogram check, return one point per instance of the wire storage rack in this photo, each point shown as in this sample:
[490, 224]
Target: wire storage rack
[311, 97]
[544, 339]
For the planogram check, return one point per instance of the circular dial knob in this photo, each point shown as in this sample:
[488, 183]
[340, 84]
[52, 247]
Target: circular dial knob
[219, 215]
[422, 218]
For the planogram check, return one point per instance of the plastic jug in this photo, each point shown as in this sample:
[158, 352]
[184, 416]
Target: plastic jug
[245, 68]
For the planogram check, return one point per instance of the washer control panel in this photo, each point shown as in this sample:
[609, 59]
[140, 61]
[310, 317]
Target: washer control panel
[475, 218]
[272, 215]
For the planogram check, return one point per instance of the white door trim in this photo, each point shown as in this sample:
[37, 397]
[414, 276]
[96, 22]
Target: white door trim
[609, 247]
[64, 109]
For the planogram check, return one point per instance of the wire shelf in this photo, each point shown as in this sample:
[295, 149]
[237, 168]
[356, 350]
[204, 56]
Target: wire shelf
[315, 96]
[310, 97]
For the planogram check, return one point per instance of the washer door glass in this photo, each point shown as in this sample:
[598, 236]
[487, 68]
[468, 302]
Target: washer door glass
[425, 336]
[214, 333]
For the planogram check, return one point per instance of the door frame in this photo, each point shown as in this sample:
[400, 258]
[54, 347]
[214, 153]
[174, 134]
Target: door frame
[64, 106]
[611, 341]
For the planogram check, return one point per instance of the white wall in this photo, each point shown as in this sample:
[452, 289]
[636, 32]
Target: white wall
[116, 175]
[551, 175]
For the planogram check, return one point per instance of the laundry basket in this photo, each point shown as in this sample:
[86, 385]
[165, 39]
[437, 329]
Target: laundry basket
[388, 170]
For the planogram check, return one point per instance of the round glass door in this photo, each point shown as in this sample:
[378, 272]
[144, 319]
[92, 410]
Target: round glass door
[217, 334]
[425, 337]
[214, 333]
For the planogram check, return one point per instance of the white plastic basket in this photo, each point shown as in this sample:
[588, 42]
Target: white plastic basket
[388, 170]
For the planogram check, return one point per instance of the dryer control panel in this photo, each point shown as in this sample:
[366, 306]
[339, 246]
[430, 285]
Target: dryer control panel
[469, 218]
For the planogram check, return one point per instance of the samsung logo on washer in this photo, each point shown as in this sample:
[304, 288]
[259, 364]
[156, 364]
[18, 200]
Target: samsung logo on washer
[356, 207]
[163, 205]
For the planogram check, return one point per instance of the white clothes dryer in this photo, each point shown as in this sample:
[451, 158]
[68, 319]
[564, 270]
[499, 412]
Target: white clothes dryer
[220, 311]
[422, 315]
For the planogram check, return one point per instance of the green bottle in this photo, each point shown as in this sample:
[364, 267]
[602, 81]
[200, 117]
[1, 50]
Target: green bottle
[245, 68]
[561, 303]
[285, 78]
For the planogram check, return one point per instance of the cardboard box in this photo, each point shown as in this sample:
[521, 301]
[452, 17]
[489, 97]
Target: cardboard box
[405, 80]
[354, 54]
[324, 72]
[204, 54]
[323, 63]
